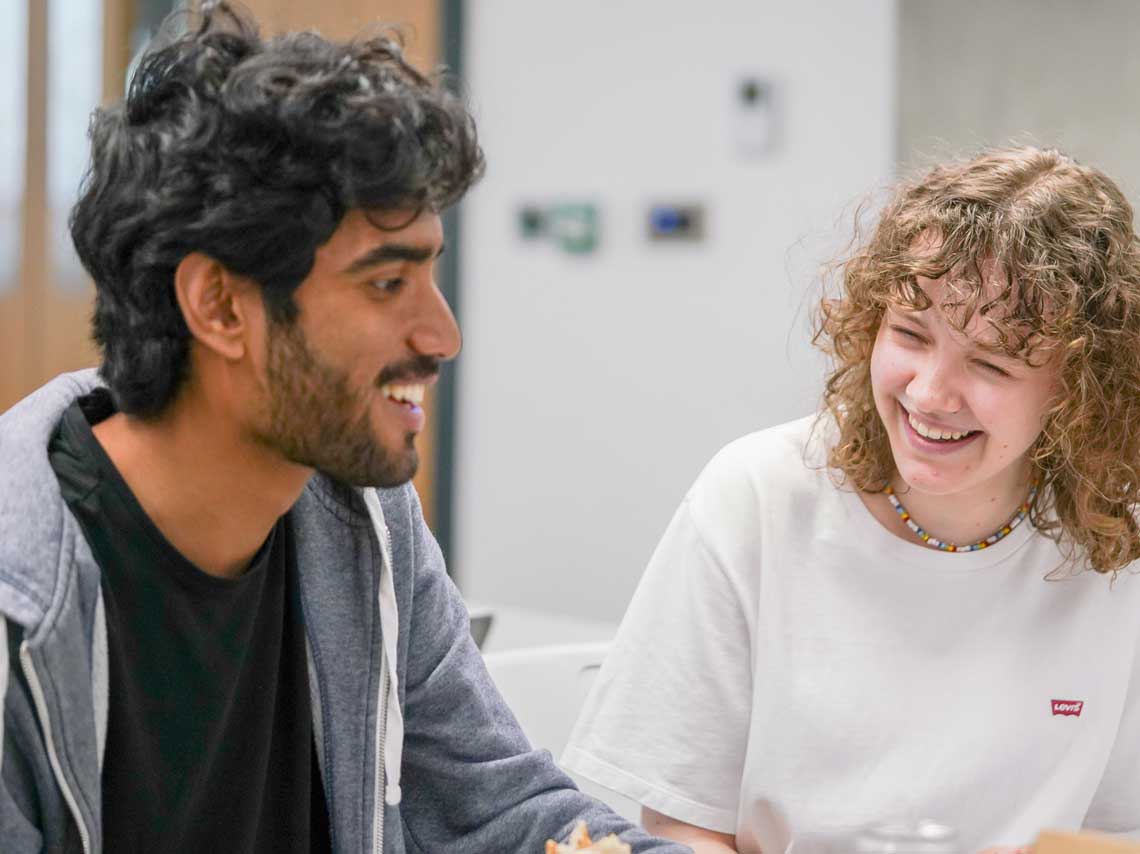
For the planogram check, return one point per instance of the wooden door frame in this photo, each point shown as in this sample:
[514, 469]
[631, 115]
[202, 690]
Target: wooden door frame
[18, 348]
[44, 330]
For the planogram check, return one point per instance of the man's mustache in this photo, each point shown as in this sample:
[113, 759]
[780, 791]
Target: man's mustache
[416, 369]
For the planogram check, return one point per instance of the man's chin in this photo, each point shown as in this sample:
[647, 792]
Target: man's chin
[381, 469]
[399, 479]
[395, 469]
[387, 477]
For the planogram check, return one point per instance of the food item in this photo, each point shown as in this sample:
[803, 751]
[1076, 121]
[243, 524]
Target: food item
[580, 843]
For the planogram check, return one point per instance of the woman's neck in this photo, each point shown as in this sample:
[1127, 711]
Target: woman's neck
[961, 518]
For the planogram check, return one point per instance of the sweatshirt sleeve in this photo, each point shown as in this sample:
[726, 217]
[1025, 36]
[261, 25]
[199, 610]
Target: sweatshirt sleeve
[471, 781]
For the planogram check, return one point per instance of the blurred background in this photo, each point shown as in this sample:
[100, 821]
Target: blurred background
[636, 273]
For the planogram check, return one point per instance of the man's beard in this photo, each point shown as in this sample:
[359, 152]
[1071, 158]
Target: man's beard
[315, 419]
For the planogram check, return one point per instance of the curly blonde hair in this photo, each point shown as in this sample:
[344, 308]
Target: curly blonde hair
[1061, 236]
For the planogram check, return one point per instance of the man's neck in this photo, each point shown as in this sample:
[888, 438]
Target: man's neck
[213, 491]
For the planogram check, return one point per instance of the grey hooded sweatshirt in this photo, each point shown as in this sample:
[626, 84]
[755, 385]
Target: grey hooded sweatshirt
[418, 752]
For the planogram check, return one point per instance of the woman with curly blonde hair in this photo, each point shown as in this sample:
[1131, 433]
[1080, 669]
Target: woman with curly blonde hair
[897, 608]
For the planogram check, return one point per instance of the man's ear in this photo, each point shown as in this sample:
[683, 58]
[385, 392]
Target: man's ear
[210, 297]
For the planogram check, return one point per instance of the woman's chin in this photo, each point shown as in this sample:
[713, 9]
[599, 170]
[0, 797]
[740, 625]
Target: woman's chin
[927, 479]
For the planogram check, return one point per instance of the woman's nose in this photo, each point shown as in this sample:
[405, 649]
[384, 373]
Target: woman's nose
[934, 389]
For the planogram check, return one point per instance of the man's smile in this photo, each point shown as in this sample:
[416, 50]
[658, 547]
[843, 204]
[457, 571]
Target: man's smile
[411, 394]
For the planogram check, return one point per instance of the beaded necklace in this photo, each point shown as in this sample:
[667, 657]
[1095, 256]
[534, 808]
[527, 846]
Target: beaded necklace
[934, 543]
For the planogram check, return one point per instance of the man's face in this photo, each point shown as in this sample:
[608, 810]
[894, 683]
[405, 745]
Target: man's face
[345, 382]
[957, 414]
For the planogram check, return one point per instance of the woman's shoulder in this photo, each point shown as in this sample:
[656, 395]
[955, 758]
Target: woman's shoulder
[785, 450]
[785, 460]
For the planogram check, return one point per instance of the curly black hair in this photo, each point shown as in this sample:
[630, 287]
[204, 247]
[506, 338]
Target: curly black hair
[250, 151]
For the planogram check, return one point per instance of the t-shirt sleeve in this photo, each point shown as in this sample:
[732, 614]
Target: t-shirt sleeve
[667, 720]
[1115, 807]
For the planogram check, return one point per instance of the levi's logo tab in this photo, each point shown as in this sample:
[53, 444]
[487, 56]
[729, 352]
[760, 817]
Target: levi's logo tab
[1068, 707]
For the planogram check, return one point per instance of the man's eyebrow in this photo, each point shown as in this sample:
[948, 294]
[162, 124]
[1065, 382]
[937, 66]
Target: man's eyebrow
[415, 253]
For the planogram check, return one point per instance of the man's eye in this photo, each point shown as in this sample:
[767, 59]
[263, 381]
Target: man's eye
[387, 285]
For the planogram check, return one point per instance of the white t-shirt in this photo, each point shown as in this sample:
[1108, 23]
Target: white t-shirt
[789, 668]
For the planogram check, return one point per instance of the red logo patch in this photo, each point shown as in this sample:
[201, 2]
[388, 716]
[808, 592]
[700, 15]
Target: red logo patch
[1068, 707]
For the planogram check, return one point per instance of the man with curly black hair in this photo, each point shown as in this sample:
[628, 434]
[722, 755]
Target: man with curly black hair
[226, 625]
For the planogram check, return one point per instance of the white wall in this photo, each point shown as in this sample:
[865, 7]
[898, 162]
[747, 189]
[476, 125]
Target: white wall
[992, 72]
[592, 389]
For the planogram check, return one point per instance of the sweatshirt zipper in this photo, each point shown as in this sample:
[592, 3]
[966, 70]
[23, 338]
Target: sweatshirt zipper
[57, 769]
[379, 797]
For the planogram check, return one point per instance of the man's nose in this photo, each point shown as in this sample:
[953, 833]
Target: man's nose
[435, 331]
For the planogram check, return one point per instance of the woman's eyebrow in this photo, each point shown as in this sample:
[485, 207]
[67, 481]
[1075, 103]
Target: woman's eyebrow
[992, 349]
[916, 317]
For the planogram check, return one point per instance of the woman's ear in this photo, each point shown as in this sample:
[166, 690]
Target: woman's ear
[210, 297]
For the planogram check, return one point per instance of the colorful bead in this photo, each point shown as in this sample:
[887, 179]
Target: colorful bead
[1006, 529]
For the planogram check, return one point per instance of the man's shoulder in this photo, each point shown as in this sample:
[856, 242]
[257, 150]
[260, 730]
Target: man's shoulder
[34, 418]
[32, 510]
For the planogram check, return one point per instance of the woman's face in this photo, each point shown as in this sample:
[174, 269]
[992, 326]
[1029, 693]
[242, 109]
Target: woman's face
[959, 416]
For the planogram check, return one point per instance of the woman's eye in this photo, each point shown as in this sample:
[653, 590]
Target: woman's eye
[906, 333]
[992, 368]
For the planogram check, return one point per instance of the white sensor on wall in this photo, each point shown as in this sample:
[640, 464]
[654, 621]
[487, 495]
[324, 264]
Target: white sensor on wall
[754, 116]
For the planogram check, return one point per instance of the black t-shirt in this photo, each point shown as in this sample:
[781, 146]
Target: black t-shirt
[209, 732]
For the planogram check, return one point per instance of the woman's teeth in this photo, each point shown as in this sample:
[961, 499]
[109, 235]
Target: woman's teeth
[934, 433]
[413, 394]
